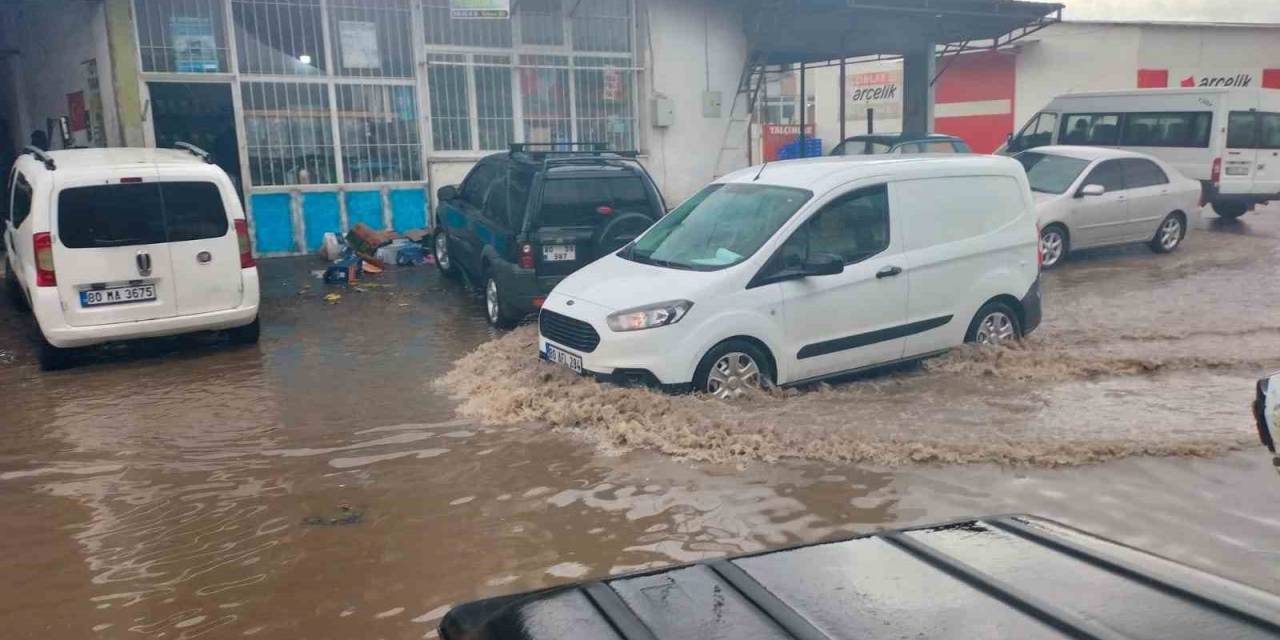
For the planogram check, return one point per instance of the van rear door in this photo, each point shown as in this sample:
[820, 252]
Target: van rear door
[202, 244]
[1241, 153]
[1266, 177]
[110, 253]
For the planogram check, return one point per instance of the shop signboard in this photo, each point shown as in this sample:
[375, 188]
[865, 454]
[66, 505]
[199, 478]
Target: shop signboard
[195, 48]
[470, 9]
[878, 90]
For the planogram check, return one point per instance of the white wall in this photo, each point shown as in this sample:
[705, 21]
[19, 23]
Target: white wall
[690, 39]
[53, 40]
[1082, 56]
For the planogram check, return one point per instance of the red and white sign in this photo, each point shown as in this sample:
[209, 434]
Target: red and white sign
[1226, 78]
[879, 90]
[973, 98]
[777, 136]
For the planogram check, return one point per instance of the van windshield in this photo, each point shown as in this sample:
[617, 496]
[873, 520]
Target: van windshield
[1050, 173]
[719, 227]
[122, 215]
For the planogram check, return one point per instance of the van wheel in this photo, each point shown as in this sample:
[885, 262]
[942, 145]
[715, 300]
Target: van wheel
[12, 287]
[733, 369]
[996, 324]
[248, 334]
[54, 358]
[440, 250]
[1230, 209]
[1169, 235]
[1054, 246]
[497, 309]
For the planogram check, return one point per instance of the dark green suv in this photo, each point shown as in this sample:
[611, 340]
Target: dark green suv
[522, 221]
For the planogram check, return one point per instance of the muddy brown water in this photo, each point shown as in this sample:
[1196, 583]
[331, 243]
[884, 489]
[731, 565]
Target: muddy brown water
[326, 485]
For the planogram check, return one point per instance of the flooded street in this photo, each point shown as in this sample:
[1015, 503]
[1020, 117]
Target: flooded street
[338, 481]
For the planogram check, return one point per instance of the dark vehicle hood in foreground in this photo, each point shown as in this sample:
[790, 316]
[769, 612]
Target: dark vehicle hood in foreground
[1003, 577]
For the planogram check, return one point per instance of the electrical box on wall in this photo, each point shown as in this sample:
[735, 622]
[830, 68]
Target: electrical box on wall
[712, 104]
[664, 112]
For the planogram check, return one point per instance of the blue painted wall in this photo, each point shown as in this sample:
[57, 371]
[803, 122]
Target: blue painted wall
[408, 209]
[366, 207]
[320, 213]
[273, 223]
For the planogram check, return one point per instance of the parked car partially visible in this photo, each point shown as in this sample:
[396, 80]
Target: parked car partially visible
[1092, 197]
[524, 220]
[799, 271]
[898, 143]
[118, 244]
[1266, 410]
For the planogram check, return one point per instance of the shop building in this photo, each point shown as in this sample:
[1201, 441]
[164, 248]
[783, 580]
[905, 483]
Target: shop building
[334, 112]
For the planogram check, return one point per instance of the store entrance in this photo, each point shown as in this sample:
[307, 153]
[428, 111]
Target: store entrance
[200, 113]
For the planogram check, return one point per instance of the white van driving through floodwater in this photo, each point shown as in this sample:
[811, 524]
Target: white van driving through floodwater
[1227, 139]
[799, 271]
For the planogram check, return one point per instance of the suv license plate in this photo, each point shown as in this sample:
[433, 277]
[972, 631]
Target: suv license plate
[559, 252]
[117, 295]
[560, 356]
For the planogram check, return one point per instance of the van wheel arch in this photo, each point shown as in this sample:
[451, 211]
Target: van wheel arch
[1012, 303]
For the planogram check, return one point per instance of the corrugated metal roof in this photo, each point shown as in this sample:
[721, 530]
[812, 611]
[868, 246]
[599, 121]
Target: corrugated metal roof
[1001, 577]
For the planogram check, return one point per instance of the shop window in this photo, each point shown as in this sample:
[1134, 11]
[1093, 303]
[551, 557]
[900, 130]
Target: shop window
[602, 25]
[450, 102]
[181, 36]
[279, 37]
[544, 97]
[288, 132]
[371, 38]
[604, 104]
[378, 127]
[494, 106]
[442, 28]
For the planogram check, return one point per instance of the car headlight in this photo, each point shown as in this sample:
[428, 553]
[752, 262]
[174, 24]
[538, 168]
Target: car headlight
[649, 316]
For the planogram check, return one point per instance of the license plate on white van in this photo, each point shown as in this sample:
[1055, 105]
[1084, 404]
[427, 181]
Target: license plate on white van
[562, 357]
[559, 252]
[118, 295]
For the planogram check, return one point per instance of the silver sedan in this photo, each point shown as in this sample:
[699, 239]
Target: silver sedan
[1092, 197]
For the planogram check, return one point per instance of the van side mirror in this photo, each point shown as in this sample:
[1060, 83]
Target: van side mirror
[1091, 190]
[447, 193]
[823, 264]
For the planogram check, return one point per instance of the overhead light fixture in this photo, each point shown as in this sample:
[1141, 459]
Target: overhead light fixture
[304, 59]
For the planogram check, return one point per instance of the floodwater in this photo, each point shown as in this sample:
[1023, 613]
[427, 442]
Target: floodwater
[327, 484]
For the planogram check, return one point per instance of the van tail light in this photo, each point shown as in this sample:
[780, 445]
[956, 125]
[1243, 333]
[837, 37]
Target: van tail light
[1215, 174]
[45, 275]
[526, 255]
[246, 247]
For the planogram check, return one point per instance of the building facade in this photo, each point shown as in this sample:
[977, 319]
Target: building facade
[330, 113]
[985, 95]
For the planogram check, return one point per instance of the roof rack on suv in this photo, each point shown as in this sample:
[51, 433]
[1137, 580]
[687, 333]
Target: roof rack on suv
[195, 151]
[41, 156]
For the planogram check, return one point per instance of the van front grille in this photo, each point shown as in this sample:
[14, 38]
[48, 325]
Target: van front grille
[567, 331]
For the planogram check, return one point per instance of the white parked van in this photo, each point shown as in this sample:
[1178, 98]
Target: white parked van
[116, 244]
[803, 270]
[1227, 139]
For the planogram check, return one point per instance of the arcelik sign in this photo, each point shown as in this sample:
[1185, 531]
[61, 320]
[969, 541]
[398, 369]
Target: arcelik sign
[879, 90]
[1235, 78]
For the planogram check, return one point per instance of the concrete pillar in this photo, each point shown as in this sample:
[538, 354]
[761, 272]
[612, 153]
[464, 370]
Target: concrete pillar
[124, 72]
[917, 94]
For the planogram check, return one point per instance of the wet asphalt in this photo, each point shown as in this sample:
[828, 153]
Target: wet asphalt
[320, 485]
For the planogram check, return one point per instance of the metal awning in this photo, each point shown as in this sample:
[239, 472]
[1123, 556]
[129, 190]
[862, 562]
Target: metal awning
[795, 31]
